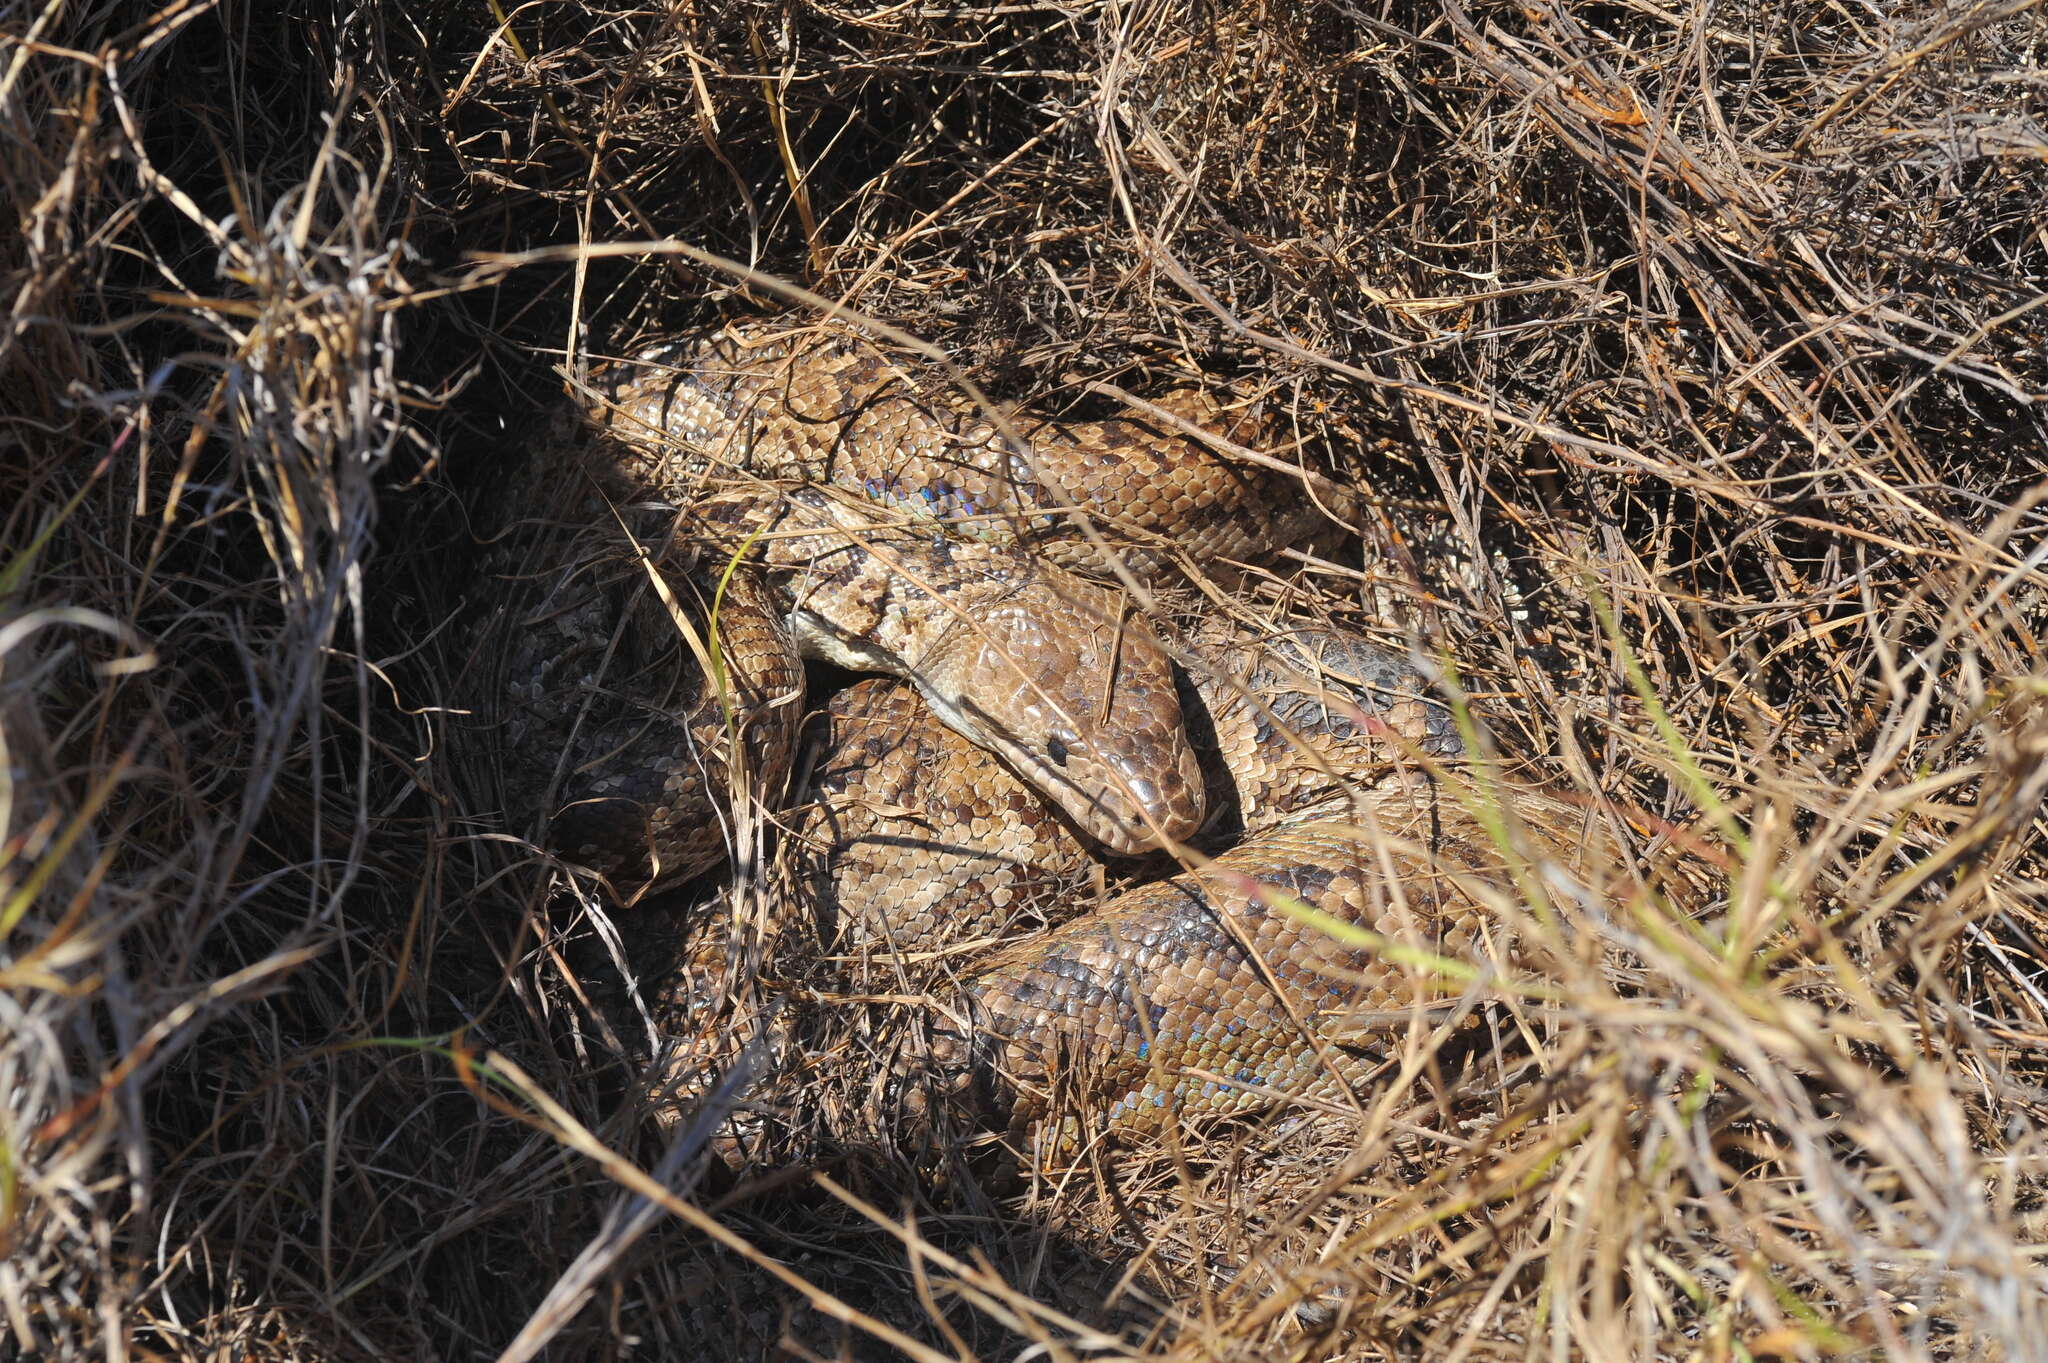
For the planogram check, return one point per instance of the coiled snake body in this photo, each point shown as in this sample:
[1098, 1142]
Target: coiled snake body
[761, 494]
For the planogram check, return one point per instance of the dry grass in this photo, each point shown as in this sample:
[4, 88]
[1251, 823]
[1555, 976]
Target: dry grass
[1712, 339]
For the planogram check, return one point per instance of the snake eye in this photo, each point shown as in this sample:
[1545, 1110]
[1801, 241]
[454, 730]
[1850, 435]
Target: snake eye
[1056, 750]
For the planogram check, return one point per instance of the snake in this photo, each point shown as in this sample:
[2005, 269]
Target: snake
[721, 508]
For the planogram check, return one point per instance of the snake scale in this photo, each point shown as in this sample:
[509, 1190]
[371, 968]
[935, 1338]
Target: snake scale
[730, 505]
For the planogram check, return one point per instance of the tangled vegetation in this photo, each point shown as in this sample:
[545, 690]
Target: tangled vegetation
[1693, 358]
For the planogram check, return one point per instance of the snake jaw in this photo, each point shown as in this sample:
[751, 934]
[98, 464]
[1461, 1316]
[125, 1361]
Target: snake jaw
[1099, 780]
[1096, 728]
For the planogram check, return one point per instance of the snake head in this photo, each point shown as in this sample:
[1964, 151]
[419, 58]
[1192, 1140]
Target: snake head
[1080, 706]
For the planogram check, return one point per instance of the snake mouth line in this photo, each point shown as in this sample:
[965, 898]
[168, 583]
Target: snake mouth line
[1121, 798]
[1123, 811]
